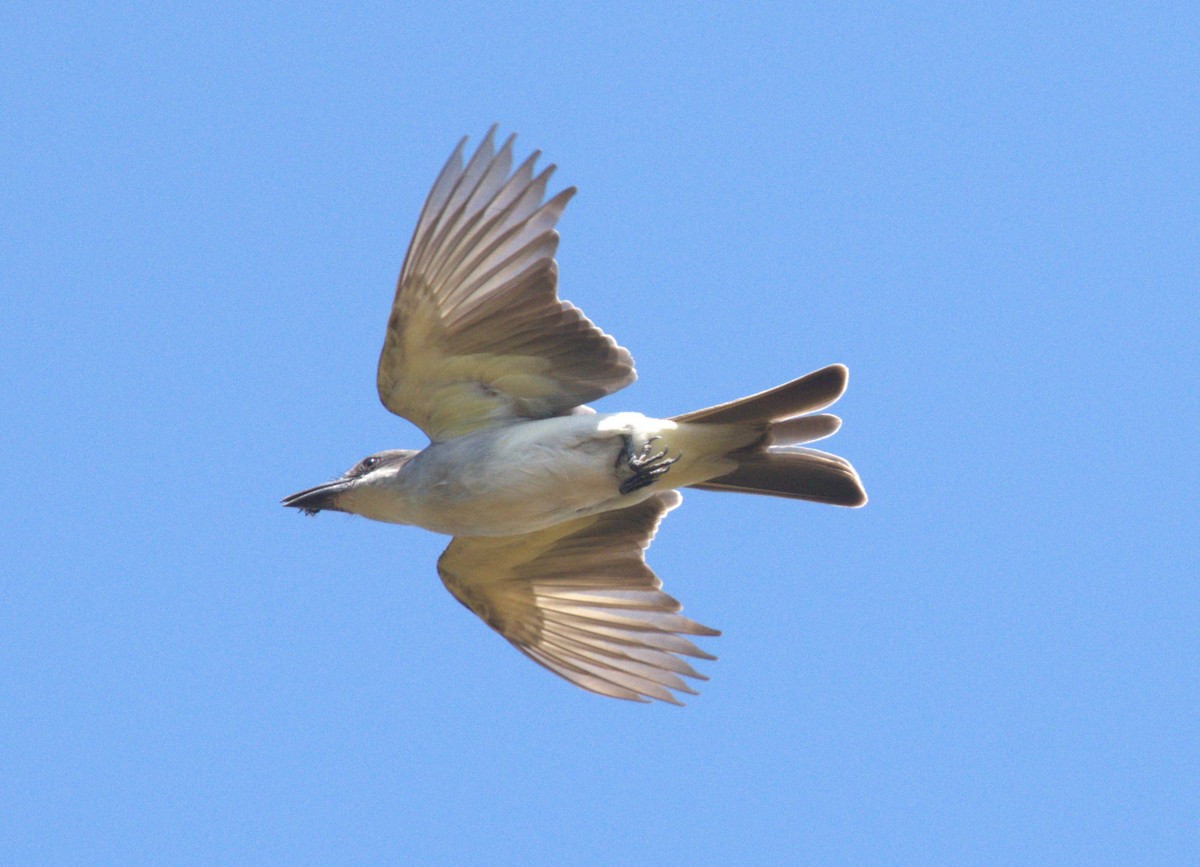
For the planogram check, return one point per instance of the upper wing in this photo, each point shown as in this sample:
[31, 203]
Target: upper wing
[477, 333]
[579, 599]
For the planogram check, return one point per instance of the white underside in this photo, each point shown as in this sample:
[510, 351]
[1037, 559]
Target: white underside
[530, 475]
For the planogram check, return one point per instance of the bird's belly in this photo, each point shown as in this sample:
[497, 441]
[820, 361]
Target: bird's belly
[519, 480]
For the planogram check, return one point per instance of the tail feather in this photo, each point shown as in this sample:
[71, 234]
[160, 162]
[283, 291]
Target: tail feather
[809, 393]
[805, 429]
[799, 474]
[765, 456]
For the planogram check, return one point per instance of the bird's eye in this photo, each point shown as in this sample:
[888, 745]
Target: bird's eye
[370, 462]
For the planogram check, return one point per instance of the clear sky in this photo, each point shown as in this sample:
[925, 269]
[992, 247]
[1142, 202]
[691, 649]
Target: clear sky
[989, 212]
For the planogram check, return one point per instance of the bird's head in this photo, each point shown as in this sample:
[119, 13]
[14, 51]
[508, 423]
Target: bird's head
[370, 488]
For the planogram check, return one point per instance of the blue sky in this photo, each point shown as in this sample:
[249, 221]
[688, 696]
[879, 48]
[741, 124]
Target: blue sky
[989, 213]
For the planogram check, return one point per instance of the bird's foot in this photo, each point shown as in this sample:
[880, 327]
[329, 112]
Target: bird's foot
[647, 464]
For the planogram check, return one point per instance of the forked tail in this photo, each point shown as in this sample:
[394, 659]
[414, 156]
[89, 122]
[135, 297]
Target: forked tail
[775, 464]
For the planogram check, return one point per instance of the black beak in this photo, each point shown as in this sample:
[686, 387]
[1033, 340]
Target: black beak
[316, 499]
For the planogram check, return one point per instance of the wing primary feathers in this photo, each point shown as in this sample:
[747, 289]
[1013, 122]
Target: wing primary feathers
[432, 209]
[477, 335]
[580, 600]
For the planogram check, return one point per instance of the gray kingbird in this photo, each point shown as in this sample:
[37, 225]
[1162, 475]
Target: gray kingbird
[551, 504]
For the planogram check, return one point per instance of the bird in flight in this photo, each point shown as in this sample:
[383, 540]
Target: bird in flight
[551, 504]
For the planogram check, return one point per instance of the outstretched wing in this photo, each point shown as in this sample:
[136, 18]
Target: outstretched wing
[477, 334]
[579, 599]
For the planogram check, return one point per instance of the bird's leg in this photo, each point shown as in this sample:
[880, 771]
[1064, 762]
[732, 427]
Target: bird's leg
[647, 465]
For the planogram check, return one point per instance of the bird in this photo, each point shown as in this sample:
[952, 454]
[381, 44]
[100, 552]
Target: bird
[551, 505]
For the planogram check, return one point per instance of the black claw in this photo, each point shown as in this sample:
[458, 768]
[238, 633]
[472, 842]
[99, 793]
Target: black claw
[646, 466]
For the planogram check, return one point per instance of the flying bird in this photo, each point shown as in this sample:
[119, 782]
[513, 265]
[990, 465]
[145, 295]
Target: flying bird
[553, 505]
